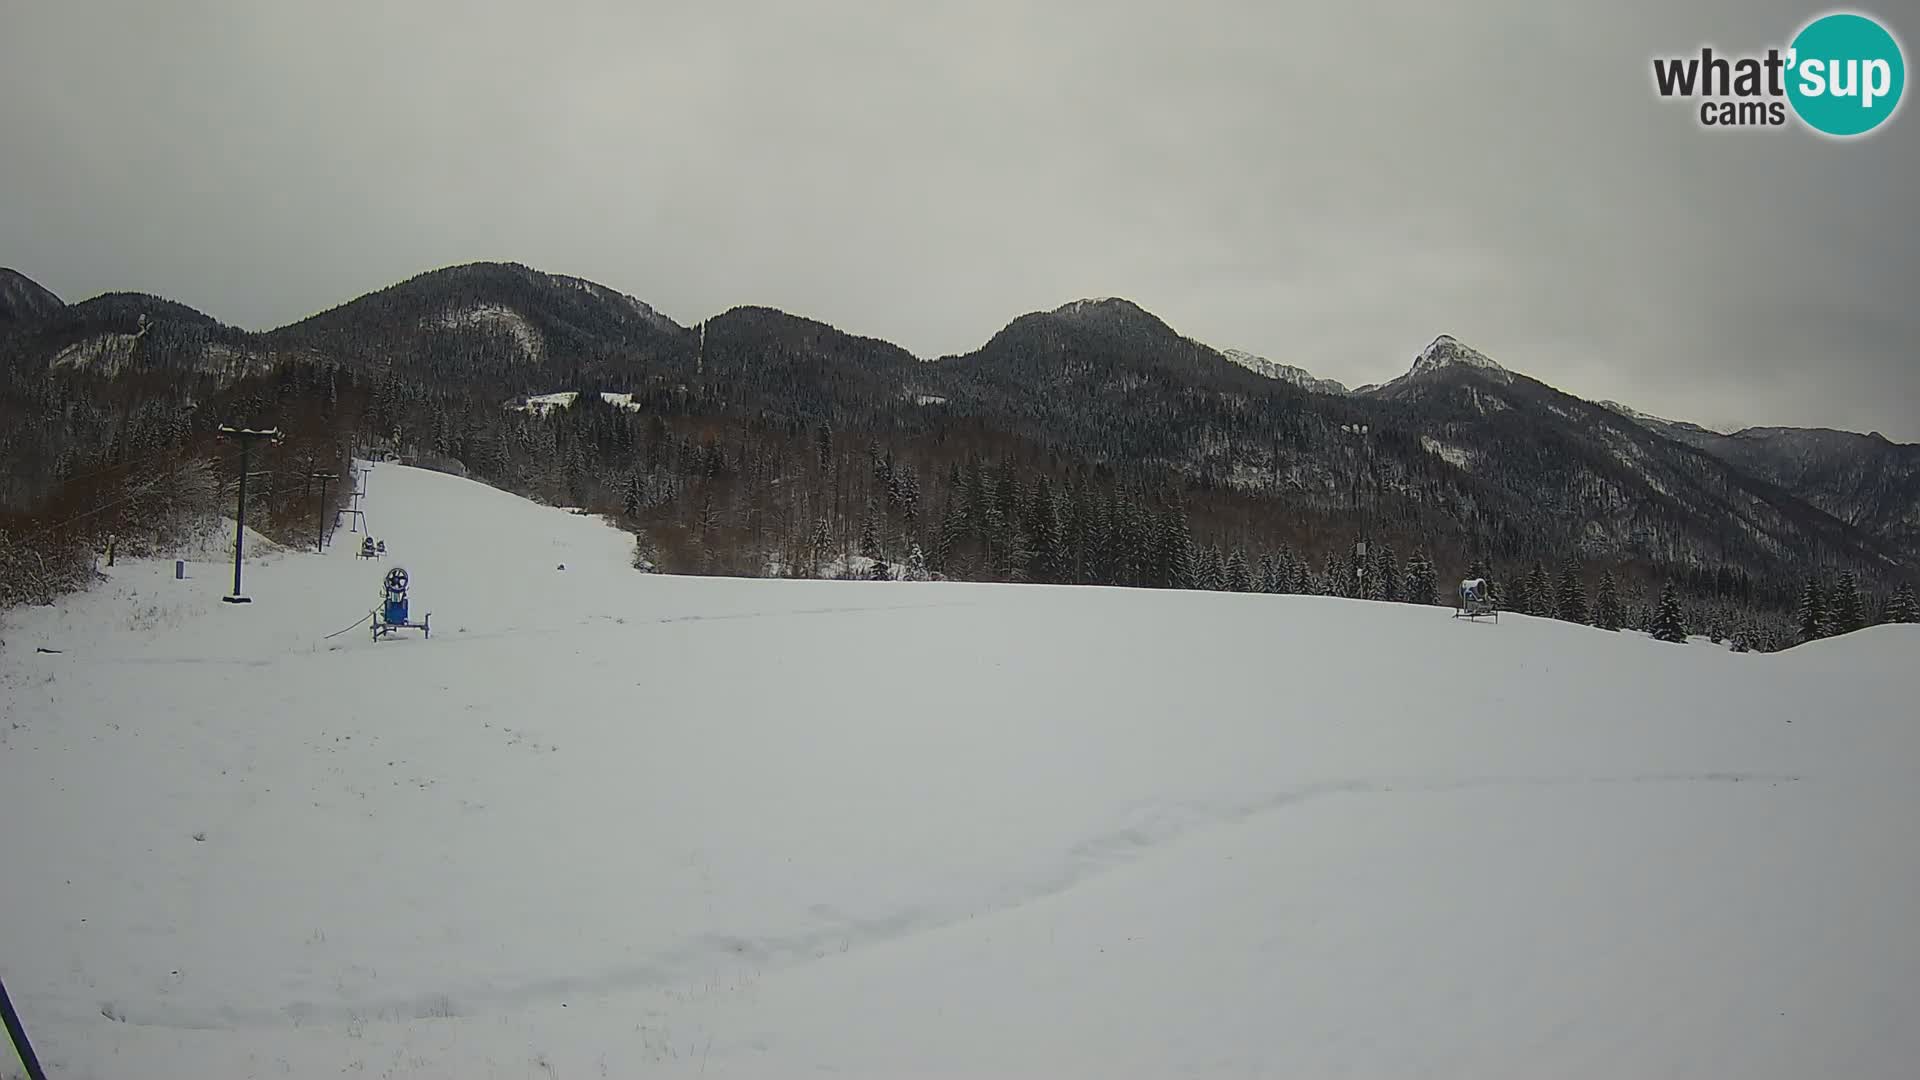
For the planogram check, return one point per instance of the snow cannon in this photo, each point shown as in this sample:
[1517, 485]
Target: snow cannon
[1475, 601]
[391, 616]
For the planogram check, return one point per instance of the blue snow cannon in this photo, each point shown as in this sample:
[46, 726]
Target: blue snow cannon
[392, 615]
[395, 610]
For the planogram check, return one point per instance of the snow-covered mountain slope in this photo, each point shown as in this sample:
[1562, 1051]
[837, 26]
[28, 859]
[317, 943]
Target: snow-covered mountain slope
[1298, 376]
[607, 823]
[1444, 354]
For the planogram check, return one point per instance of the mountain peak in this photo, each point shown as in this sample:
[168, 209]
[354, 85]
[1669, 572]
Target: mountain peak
[1105, 305]
[1288, 373]
[1448, 351]
[22, 298]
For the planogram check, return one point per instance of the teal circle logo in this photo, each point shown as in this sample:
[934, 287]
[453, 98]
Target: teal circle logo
[1845, 74]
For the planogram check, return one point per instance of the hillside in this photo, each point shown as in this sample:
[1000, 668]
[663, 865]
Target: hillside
[498, 325]
[23, 299]
[758, 440]
[565, 836]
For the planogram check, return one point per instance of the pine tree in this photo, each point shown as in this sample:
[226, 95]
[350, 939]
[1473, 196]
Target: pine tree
[1210, 573]
[1813, 612]
[1606, 608]
[1239, 577]
[1269, 573]
[953, 527]
[1043, 536]
[1076, 535]
[1742, 639]
[1173, 564]
[1572, 598]
[869, 539]
[1420, 579]
[1520, 598]
[917, 563]
[630, 504]
[1539, 594]
[1383, 580]
[817, 546]
[1902, 608]
[880, 571]
[1843, 609]
[1666, 623]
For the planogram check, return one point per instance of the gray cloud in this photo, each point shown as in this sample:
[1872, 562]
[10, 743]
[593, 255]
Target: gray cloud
[1329, 188]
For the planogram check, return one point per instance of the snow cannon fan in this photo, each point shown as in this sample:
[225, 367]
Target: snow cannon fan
[392, 613]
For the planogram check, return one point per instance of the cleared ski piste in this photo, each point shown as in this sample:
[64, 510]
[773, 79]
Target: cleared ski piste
[613, 824]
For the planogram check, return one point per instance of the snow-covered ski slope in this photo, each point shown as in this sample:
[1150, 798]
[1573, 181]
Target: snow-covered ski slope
[613, 824]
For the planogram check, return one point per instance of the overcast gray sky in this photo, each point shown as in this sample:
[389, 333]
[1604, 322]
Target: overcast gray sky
[1326, 185]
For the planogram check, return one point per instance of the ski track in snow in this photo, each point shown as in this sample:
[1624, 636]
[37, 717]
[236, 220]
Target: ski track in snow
[1157, 826]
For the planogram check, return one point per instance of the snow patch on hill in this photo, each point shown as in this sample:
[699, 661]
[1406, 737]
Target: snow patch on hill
[501, 319]
[104, 354]
[542, 404]
[1457, 456]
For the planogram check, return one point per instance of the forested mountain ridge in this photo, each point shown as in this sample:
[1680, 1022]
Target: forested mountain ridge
[761, 441]
[23, 299]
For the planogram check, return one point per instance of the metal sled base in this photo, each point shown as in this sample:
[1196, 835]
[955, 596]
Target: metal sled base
[382, 628]
[1476, 614]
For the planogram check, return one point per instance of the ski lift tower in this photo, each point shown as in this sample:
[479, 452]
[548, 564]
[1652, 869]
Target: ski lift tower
[246, 437]
[1360, 433]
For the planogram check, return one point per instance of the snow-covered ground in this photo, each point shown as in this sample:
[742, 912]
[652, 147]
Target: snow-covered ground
[613, 824]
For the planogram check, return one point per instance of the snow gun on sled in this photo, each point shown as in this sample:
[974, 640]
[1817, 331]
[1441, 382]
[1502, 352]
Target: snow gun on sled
[391, 616]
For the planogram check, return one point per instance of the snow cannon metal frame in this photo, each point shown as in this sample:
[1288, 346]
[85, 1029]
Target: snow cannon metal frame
[391, 616]
[1474, 603]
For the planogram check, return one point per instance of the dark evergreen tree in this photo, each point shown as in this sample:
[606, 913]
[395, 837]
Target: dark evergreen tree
[1270, 574]
[630, 502]
[1902, 608]
[1539, 594]
[1383, 580]
[1520, 596]
[1606, 608]
[1572, 594]
[1173, 564]
[1239, 578]
[1421, 586]
[1813, 612]
[1844, 613]
[1210, 572]
[1044, 561]
[1667, 624]
[954, 529]
[1077, 536]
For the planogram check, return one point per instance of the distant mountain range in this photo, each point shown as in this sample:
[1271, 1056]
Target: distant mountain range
[1459, 445]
